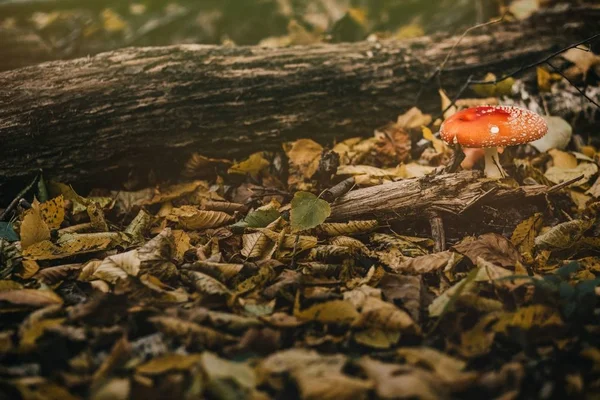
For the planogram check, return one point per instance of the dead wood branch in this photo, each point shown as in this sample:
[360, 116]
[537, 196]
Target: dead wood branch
[418, 197]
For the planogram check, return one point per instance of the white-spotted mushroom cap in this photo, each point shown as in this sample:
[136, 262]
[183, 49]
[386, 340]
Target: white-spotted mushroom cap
[493, 126]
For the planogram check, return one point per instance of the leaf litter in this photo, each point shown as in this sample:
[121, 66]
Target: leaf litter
[242, 285]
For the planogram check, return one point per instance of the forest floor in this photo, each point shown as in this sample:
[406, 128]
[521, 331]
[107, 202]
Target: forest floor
[353, 269]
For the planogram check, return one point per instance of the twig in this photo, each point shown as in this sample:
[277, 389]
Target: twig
[458, 155]
[535, 64]
[572, 84]
[437, 231]
[494, 21]
[564, 184]
[22, 193]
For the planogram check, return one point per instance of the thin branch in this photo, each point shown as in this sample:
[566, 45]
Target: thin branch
[19, 196]
[572, 84]
[535, 64]
[494, 21]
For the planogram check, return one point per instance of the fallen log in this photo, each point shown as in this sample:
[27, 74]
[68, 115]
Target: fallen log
[98, 119]
[450, 194]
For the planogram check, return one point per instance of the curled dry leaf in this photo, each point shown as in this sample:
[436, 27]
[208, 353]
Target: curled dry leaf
[205, 284]
[523, 237]
[491, 247]
[190, 217]
[428, 263]
[347, 228]
[559, 175]
[563, 236]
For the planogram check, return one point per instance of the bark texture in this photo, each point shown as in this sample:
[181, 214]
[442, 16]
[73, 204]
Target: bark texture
[419, 197]
[138, 109]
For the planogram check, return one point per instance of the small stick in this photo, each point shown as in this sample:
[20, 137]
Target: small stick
[338, 190]
[16, 200]
[437, 231]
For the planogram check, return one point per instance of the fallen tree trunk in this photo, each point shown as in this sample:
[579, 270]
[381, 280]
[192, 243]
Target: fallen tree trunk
[417, 197]
[149, 108]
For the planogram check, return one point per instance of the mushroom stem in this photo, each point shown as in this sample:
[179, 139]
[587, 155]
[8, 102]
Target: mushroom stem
[493, 169]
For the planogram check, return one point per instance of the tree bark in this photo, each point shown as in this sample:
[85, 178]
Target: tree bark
[97, 119]
[418, 197]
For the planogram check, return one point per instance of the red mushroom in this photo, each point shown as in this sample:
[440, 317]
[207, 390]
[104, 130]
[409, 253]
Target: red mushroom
[490, 127]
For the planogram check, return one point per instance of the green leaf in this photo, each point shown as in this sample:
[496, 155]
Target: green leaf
[42, 191]
[7, 232]
[308, 211]
[257, 219]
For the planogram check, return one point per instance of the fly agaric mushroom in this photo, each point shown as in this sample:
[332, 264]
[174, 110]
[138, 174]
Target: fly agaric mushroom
[490, 127]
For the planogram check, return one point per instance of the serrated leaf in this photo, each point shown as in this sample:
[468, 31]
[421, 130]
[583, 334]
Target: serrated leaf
[308, 211]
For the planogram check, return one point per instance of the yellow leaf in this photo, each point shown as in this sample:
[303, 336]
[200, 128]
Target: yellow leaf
[523, 237]
[409, 31]
[29, 333]
[252, 166]
[526, 318]
[562, 159]
[167, 363]
[545, 79]
[31, 297]
[190, 217]
[33, 229]
[438, 144]
[334, 311]
[304, 154]
[112, 21]
[502, 88]
[347, 228]
[173, 192]
[446, 103]
[53, 212]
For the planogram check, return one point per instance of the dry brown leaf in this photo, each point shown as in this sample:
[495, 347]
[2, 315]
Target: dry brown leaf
[257, 245]
[413, 119]
[523, 237]
[167, 363]
[563, 235]
[193, 218]
[304, 155]
[330, 312]
[173, 192]
[445, 367]
[395, 381]
[30, 297]
[347, 228]
[205, 284]
[491, 247]
[562, 159]
[195, 334]
[428, 263]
